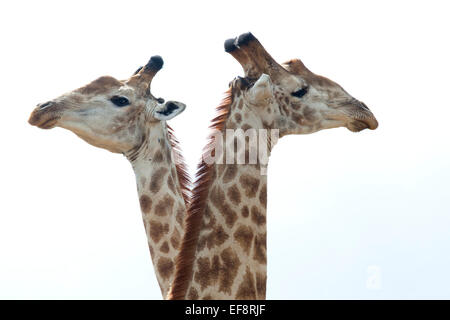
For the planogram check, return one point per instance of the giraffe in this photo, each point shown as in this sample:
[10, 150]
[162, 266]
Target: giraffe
[124, 117]
[223, 251]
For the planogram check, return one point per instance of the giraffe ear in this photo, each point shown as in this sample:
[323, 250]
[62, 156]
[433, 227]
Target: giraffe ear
[168, 110]
[262, 90]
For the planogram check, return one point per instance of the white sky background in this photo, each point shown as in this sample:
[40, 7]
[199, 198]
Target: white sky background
[338, 202]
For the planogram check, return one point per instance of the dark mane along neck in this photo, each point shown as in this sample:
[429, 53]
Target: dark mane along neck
[193, 221]
[180, 165]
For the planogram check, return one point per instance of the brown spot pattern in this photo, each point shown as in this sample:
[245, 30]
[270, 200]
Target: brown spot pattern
[201, 243]
[285, 110]
[244, 237]
[164, 247]
[208, 271]
[157, 179]
[263, 195]
[257, 216]
[261, 285]
[146, 203]
[266, 125]
[297, 118]
[259, 248]
[308, 113]
[180, 215]
[175, 239]
[215, 238]
[166, 228]
[246, 290]
[245, 211]
[158, 156]
[165, 267]
[193, 294]
[168, 153]
[102, 84]
[296, 106]
[219, 170]
[218, 199]
[208, 218]
[170, 184]
[230, 173]
[229, 270]
[234, 195]
[132, 129]
[151, 250]
[250, 185]
[229, 214]
[217, 196]
[164, 206]
[156, 230]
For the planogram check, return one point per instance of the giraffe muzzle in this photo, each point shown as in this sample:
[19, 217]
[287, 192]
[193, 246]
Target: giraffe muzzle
[358, 116]
[363, 120]
[43, 116]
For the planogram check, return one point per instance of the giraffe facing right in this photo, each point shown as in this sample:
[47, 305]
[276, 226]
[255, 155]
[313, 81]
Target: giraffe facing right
[223, 252]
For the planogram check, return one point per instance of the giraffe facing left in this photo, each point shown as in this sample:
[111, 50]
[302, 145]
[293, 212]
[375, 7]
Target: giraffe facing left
[124, 117]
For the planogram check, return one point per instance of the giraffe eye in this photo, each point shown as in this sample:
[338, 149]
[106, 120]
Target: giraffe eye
[120, 101]
[300, 93]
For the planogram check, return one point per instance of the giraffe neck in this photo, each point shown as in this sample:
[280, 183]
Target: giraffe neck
[161, 201]
[230, 254]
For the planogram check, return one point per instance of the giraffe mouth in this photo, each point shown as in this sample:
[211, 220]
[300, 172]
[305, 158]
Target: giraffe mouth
[43, 120]
[49, 123]
[359, 117]
[357, 125]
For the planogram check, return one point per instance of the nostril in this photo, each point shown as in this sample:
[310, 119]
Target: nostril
[171, 106]
[363, 105]
[44, 105]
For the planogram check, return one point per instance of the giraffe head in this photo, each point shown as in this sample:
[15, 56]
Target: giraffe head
[291, 98]
[108, 113]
